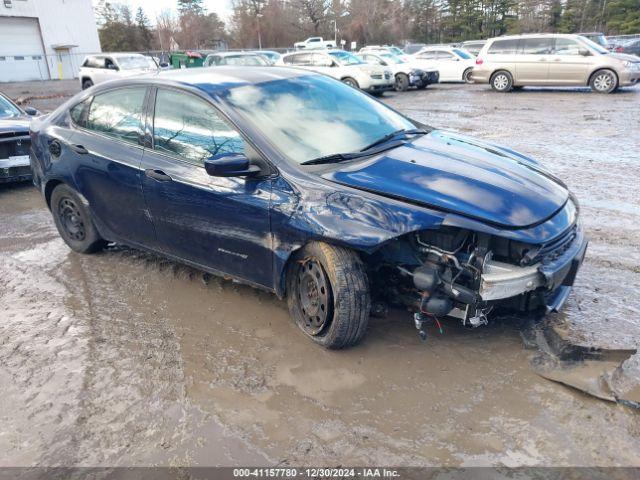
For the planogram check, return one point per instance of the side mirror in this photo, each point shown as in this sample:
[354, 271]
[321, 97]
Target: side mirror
[230, 165]
[31, 111]
[584, 52]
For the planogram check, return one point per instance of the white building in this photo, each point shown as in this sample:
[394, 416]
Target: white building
[45, 39]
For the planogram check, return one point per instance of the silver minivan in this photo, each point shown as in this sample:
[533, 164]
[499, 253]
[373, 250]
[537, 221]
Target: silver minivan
[512, 62]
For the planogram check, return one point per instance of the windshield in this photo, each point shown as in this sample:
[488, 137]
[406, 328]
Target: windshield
[462, 53]
[346, 58]
[134, 62]
[594, 45]
[392, 58]
[396, 51]
[8, 109]
[314, 116]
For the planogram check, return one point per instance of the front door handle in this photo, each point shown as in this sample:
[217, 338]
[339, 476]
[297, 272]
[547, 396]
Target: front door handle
[158, 175]
[79, 149]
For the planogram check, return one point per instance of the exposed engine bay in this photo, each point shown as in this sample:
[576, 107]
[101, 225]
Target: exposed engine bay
[464, 274]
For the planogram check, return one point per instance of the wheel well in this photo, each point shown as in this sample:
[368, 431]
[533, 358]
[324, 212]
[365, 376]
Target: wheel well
[48, 190]
[599, 70]
[84, 79]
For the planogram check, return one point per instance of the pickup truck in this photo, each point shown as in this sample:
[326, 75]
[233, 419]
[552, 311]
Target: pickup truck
[314, 42]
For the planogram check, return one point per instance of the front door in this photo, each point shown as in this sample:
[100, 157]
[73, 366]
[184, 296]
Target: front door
[567, 65]
[216, 222]
[532, 64]
[109, 141]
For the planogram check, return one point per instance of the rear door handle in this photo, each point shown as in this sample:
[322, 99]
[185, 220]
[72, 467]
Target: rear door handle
[79, 149]
[158, 175]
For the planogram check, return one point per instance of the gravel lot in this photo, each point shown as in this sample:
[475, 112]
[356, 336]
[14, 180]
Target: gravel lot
[122, 358]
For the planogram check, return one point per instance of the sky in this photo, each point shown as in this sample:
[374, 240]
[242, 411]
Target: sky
[153, 7]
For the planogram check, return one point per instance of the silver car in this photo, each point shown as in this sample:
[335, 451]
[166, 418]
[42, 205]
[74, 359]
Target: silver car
[511, 62]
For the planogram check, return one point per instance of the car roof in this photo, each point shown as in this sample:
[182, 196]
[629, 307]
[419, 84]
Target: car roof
[213, 79]
[234, 54]
[536, 35]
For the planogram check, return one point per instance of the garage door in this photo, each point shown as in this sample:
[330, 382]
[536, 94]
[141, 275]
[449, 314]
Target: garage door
[21, 55]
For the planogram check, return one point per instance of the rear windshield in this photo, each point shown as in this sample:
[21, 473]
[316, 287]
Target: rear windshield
[504, 47]
[133, 62]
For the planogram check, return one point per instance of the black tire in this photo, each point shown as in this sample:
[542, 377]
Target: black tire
[87, 84]
[603, 81]
[422, 86]
[402, 82]
[466, 75]
[501, 81]
[328, 295]
[73, 221]
[351, 82]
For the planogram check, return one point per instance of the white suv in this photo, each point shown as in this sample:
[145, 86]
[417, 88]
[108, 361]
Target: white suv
[454, 64]
[343, 66]
[100, 68]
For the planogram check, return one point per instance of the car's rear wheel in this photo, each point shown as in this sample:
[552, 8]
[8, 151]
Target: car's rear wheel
[603, 81]
[501, 81]
[402, 82]
[467, 76]
[73, 221]
[351, 82]
[87, 84]
[328, 295]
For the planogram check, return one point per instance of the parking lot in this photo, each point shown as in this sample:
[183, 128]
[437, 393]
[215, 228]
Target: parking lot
[123, 358]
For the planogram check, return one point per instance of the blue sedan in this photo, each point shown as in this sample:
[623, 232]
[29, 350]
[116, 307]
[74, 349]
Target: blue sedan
[298, 184]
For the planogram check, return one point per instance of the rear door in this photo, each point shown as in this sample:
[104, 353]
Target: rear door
[533, 59]
[567, 66]
[216, 222]
[108, 147]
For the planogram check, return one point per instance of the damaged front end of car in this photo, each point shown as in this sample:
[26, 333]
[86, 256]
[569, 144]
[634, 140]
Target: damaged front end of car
[466, 274]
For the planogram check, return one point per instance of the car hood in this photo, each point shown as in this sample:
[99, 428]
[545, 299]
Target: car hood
[462, 175]
[15, 124]
[625, 57]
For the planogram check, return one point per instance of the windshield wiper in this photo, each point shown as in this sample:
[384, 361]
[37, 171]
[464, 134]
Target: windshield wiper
[389, 136]
[333, 158]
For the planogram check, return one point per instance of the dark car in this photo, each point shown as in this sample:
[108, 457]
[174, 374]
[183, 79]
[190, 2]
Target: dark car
[629, 46]
[296, 183]
[14, 141]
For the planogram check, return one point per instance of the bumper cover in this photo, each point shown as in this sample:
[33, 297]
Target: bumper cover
[15, 169]
[502, 280]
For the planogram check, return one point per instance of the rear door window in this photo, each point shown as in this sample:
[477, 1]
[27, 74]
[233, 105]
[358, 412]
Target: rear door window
[536, 46]
[504, 47]
[118, 113]
[191, 128]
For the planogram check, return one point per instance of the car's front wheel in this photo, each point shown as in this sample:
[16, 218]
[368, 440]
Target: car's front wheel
[87, 84]
[328, 295]
[501, 81]
[351, 82]
[73, 221]
[402, 82]
[603, 81]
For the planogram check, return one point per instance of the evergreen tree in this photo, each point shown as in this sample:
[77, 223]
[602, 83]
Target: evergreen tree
[144, 29]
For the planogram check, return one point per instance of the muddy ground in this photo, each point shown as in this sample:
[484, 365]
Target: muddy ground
[122, 358]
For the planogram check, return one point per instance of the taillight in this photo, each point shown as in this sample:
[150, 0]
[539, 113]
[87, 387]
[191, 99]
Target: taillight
[479, 61]
[619, 49]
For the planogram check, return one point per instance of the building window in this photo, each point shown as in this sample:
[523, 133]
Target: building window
[18, 58]
[36, 57]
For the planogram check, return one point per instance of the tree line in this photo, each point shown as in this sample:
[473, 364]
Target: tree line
[280, 23]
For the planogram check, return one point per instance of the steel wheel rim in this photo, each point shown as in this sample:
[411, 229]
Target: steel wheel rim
[500, 82]
[603, 82]
[71, 219]
[401, 84]
[314, 297]
[467, 76]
